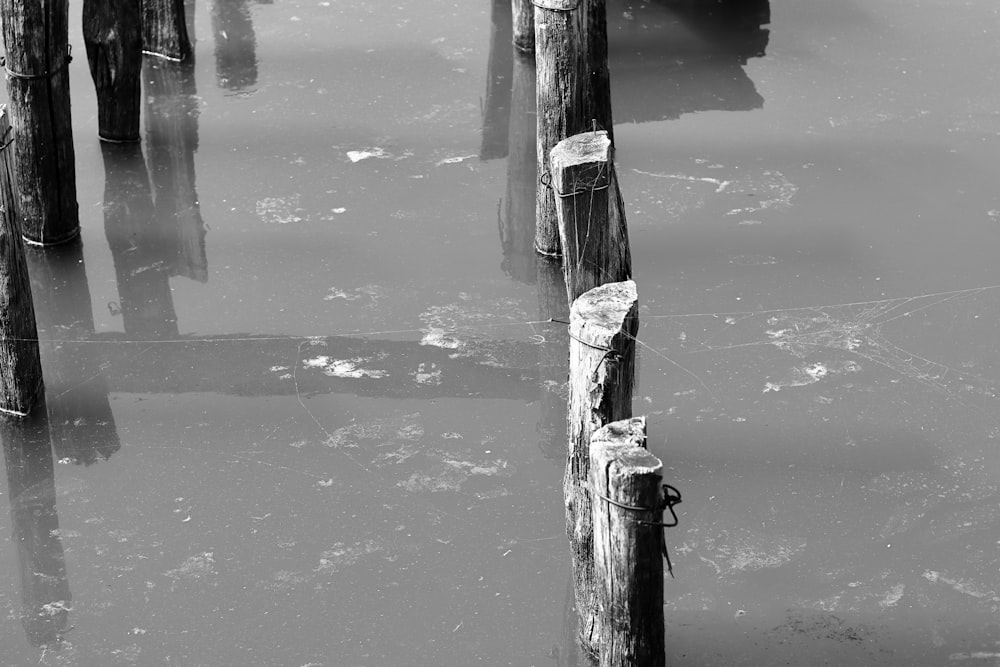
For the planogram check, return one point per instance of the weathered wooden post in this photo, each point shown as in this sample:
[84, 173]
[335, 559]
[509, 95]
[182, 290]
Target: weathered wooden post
[235, 44]
[602, 329]
[113, 37]
[31, 490]
[590, 212]
[20, 363]
[35, 36]
[574, 90]
[523, 13]
[164, 30]
[626, 481]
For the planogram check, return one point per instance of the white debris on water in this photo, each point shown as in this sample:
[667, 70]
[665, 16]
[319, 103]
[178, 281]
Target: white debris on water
[358, 156]
[453, 160]
[280, 210]
[427, 374]
[343, 368]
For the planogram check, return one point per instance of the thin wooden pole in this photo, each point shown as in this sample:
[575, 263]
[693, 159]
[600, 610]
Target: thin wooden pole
[20, 363]
[602, 329]
[523, 13]
[574, 90]
[35, 35]
[113, 37]
[164, 30]
[626, 481]
[591, 215]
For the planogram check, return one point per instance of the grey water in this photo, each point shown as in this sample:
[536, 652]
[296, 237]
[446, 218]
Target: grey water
[304, 405]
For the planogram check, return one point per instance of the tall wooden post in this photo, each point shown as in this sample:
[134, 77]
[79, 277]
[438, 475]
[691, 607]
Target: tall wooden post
[45, 594]
[164, 30]
[590, 212]
[603, 325]
[35, 35]
[235, 44]
[574, 90]
[20, 363]
[523, 13]
[113, 37]
[626, 482]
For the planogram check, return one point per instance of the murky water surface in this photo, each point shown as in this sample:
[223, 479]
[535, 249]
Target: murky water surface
[304, 410]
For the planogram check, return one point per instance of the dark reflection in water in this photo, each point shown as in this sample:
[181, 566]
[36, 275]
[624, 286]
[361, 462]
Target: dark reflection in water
[235, 45]
[497, 104]
[142, 248]
[517, 215]
[171, 142]
[82, 424]
[45, 595]
[668, 58]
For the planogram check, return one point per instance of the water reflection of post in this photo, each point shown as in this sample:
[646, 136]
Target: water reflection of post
[80, 417]
[45, 595]
[235, 44]
[171, 141]
[142, 248]
[496, 106]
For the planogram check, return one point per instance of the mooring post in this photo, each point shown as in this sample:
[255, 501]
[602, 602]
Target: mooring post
[523, 14]
[574, 90]
[164, 30]
[113, 37]
[20, 363]
[602, 329]
[35, 36]
[591, 216]
[626, 482]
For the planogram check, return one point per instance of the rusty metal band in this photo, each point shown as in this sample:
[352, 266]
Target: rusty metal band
[14, 74]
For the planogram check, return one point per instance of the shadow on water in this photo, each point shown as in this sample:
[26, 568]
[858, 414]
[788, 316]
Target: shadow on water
[45, 594]
[671, 57]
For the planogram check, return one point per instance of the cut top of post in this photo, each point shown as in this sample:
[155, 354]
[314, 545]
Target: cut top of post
[581, 163]
[630, 432]
[556, 5]
[599, 314]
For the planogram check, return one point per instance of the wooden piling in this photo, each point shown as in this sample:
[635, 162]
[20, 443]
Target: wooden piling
[36, 39]
[602, 329]
[574, 90]
[592, 228]
[523, 15]
[113, 37]
[626, 481]
[20, 363]
[164, 29]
